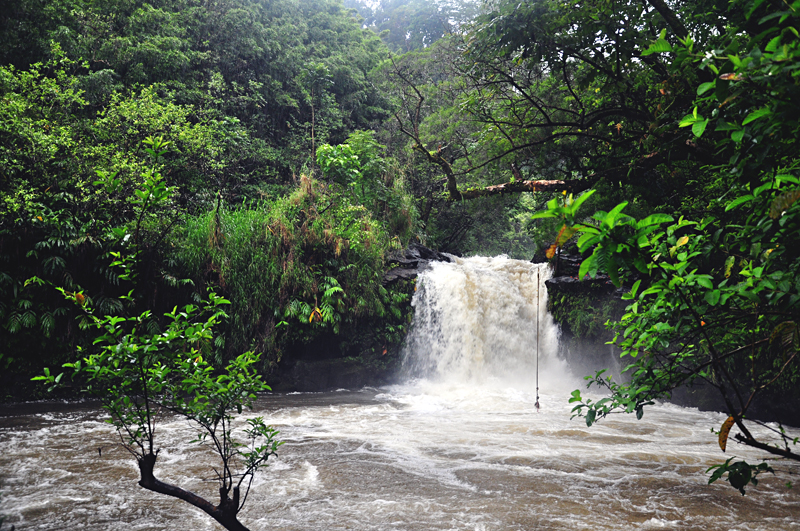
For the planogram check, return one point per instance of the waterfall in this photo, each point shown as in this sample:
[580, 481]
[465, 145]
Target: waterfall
[475, 322]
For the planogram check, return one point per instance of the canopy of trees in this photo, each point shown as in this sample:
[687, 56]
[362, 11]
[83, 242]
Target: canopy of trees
[276, 151]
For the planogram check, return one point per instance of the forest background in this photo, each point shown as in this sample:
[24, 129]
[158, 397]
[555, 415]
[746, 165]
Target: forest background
[278, 151]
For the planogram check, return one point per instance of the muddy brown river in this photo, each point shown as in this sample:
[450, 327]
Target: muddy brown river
[458, 446]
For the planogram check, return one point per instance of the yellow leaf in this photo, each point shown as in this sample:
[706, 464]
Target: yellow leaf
[551, 251]
[723, 432]
[564, 235]
[683, 241]
[729, 266]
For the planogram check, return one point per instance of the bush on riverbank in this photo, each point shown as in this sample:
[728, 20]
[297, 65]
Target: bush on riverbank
[296, 267]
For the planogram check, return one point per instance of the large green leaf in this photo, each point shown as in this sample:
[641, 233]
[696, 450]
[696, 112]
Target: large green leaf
[659, 46]
[755, 115]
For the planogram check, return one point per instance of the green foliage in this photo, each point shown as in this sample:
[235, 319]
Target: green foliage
[740, 474]
[142, 371]
[142, 374]
[677, 326]
[716, 300]
[71, 175]
[241, 59]
[374, 181]
[294, 267]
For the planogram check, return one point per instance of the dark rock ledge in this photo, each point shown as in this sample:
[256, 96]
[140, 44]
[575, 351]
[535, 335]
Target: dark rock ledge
[411, 260]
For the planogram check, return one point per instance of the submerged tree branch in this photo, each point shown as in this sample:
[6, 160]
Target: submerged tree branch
[225, 513]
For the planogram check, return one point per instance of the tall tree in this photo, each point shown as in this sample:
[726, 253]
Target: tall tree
[715, 297]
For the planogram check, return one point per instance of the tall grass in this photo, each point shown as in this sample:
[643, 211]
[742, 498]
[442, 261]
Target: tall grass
[292, 268]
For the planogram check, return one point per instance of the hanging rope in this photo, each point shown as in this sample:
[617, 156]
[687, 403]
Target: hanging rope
[537, 339]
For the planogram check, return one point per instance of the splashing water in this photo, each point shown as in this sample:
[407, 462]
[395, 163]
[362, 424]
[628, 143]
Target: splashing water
[475, 323]
[458, 446]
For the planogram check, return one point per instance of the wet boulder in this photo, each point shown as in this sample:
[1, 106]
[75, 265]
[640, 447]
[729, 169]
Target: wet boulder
[411, 260]
[567, 284]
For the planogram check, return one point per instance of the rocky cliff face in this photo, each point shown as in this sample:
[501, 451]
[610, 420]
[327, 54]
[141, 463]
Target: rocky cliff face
[328, 363]
[581, 309]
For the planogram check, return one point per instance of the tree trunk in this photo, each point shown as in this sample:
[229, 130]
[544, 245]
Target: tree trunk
[670, 17]
[225, 513]
[436, 158]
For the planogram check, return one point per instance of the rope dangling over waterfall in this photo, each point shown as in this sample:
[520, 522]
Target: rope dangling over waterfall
[537, 340]
[478, 320]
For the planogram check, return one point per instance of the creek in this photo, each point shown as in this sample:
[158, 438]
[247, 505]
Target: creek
[458, 444]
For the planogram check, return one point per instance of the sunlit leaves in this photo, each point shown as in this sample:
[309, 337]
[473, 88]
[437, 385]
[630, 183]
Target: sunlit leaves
[697, 122]
[661, 45]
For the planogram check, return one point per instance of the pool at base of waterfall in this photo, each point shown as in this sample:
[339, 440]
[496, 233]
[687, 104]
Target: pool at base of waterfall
[460, 445]
[420, 456]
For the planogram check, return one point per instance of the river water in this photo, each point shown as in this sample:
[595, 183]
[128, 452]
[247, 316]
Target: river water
[458, 445]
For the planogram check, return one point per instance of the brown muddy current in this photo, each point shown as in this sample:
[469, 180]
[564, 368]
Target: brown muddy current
[458, 446]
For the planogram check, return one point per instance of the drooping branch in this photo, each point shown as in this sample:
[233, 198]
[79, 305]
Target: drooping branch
[749, 440]
[224, 513]
[572, 186]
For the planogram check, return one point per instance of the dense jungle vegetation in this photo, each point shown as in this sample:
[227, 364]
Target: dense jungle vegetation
[275, 152]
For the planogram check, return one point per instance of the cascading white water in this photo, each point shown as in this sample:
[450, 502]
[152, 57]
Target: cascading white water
[476, 320]
[461, 446]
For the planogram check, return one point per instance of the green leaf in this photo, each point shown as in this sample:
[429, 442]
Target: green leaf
[589, 264]
[705, 87]
[726, 126]
[772, 46]
[635, 288]
[610, 219]
[738, 201]
[755, 115]
[579, 201]
[590, 417]
[545, 214]
[705, 281]
[654, 219]
[661, 45]
[712, 297]
[698, 128]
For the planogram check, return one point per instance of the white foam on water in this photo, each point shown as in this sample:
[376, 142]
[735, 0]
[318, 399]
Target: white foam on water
[475, 322]
[459, 445]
